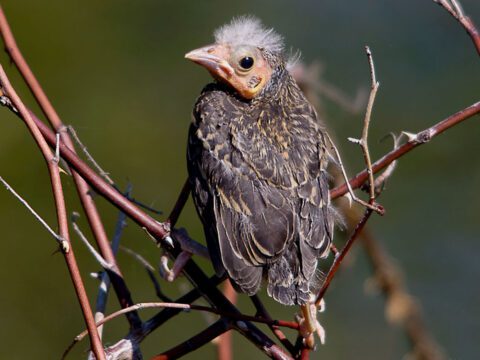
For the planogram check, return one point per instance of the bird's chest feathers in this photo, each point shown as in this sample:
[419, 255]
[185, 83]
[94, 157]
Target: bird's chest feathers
[263, 134]
[277, 145]
[276, 141]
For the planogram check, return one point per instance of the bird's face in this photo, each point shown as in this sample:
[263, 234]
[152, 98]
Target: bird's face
[243, 67]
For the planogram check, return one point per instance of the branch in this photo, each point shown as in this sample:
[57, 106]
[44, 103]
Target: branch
[455, 9]
[180, 306]
[363, 142]
[262, 312]
[338, 260]
[88, 203]
[60, 207]
[224, 341]
[416, 140]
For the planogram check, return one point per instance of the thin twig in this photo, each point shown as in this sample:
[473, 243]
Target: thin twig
[150, 305]
[382, 179]
[364, 145]
[63, 244]
[90, 158]
[368, 114]
[375, 207]
[103, 263]
[455, 9]
[363, 141]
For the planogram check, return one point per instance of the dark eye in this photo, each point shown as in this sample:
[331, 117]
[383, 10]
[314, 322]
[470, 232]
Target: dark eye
[246, 62]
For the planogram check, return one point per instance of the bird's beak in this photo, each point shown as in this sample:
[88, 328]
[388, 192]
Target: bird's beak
[214, 58]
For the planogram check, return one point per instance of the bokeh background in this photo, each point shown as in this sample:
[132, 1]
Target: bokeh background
[115, 71]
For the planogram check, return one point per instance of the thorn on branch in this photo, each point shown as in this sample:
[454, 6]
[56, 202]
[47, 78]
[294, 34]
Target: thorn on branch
[382, 179]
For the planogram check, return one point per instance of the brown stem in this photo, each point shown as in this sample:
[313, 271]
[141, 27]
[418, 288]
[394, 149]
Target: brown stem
[67, 250]
[341, 255]
[456, 11]
[262, 312]
[224, 341]
[421, 138]
[233, 316]
[87, 201]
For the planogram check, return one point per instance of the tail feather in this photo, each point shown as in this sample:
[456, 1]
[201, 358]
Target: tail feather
[286, 282]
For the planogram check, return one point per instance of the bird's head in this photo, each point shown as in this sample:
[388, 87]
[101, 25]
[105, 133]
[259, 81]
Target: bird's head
[244, 55]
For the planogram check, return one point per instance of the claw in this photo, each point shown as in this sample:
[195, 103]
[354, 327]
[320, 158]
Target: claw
[168, 240]
[309, 324]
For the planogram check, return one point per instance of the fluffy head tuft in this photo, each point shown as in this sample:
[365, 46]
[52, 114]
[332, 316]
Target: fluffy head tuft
[249, 30]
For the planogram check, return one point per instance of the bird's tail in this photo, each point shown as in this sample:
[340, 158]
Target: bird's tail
[286, 283]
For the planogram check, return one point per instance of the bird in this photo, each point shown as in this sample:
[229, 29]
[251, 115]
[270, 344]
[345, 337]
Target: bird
[257, 158]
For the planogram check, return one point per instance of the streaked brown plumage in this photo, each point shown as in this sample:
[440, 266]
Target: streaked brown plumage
[256, 160]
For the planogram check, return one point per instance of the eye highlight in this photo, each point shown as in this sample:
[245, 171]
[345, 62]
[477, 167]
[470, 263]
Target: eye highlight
[246, 62]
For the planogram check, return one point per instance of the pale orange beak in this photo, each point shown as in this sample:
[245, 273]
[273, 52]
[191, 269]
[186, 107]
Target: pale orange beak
[214, 58]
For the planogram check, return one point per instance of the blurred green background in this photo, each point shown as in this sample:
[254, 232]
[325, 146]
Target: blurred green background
[115, 71]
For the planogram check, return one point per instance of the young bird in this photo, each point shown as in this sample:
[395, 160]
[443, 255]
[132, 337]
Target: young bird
[257, 158]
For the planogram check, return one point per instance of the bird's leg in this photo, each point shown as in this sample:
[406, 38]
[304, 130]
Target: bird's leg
[170, 274]
[309, 324]
[180, 261]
